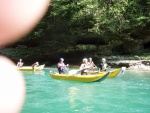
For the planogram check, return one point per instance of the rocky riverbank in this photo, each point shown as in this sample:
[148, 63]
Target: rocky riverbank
[134, 62]
[30, 55]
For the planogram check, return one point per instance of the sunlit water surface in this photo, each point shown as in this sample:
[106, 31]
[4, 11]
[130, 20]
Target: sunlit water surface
[127, 93]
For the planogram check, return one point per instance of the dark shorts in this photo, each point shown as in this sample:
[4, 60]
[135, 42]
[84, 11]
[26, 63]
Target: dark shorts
[61, 70]
[84, 73]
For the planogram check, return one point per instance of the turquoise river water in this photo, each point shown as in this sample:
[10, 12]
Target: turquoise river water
[127, 93]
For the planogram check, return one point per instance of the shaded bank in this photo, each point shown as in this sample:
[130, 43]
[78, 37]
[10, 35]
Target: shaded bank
[44, 56]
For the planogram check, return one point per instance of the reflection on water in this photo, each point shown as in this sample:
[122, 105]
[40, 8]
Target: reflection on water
[80, 98]
[73, 93]
[40, 72]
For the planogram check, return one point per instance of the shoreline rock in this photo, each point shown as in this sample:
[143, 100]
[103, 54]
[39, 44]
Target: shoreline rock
[130, 64]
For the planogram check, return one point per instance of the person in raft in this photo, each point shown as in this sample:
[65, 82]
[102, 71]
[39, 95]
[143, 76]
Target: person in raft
[61, 66]
[84, 67]
[36, 64]
[91, 64]
[103, 65]
[20, 63]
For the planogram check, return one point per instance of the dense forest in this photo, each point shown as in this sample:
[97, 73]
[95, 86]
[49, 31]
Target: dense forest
[86, 28]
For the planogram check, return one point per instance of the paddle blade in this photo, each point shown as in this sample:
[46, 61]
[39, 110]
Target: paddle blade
[73, 72]
[123, 69]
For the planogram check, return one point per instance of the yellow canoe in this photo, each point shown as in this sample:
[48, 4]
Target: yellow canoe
[80, 78]
[112, 73]
[30, 68]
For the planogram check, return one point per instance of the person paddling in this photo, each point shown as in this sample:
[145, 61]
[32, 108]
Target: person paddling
[103, 65]
[91, 64]
[61, 66]
[84, 67]
[36, 64]
[20, 63]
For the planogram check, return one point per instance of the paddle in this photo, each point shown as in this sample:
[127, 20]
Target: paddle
[67, 68]
[123, 69]
[73, 72]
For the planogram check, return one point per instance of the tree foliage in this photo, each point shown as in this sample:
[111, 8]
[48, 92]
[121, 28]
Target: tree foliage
[109, 19]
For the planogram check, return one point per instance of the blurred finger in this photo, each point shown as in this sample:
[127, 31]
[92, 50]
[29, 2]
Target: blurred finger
[12, 87]
[18, 17]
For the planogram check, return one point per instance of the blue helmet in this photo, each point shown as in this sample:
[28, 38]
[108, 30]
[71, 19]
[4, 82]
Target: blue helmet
[90, 58]
[61, 59]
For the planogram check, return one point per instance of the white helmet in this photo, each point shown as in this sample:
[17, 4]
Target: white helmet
[103, 59]
[84, 60]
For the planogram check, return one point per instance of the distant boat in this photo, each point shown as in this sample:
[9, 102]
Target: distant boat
[80, 78]
[30, 68]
